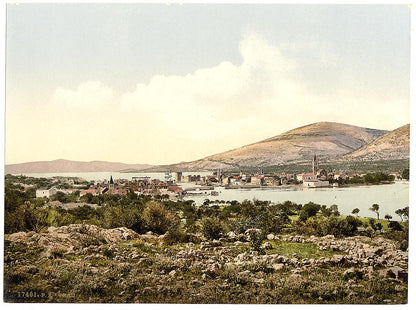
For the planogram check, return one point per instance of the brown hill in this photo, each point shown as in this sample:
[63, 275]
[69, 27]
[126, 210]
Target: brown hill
[393, 145]
[62, 165]
[325, 139]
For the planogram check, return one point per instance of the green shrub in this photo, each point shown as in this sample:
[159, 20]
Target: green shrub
[212, 228]
[310, 209]
[395, 226]
[256, 239]
[175, 236]
[158, 218]
[21, 219]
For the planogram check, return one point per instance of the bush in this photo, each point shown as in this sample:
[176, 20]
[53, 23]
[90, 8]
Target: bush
[112, 216]
[395, 226]
[317, 226]
[212, 228]
[343, 227]
[21, 219]
[310, 209]
[351, 225]
[375, 225]
[332, 225]
[175, 236]
[256, 239]
[158, 218]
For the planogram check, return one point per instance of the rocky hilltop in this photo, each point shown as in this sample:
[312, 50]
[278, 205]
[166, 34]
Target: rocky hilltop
[326, 139]
[393, 145]
[62, 165]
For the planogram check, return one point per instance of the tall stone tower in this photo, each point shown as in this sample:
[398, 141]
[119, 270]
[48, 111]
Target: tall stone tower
[314, 165]
[111, 184]
[178, 176]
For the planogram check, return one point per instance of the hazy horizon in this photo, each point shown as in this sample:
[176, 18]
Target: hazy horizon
[162, 84]
[156, 164]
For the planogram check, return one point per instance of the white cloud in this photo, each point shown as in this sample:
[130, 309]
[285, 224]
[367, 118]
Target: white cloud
[90, 94]
[227, 92]
[175, 118]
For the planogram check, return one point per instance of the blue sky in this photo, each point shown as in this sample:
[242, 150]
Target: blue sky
[169, 83]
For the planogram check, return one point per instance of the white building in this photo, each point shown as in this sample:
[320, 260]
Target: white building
[43, 192]
[306, 177]
[315, 183]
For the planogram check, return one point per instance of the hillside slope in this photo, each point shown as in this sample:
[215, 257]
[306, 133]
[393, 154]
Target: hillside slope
[393, 145]
[325, 139]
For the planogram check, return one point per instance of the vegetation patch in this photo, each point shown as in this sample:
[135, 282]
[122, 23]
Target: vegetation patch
[300, 250]
[139, 249]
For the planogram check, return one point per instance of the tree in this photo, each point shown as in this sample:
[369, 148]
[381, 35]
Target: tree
[403, 213]
[60, 196]
[399, 212]
[388, 217]
[87, 198]
[406, 212]
[325, 211]
[334, 210]
[355, 211]
[21, 219]
[375, 208]
[310, 209]
[351, 225]
[405, 174]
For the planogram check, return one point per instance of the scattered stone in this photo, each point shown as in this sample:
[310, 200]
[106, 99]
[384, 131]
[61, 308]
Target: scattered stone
[400, 288]
[215, 243]
[352, 295]
[296, 270]
[278, 266]
[395, 272]
[267, 246]
[270, 236]
[231, 234]
[260, 281]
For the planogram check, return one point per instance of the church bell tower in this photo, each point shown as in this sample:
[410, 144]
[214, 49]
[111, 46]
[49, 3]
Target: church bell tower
[314, 165]
[111, 184]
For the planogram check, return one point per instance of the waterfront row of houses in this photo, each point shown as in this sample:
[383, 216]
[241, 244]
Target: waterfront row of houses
[148, 186]
[139, 185]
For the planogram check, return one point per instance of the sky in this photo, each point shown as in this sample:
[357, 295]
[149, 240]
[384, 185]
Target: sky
[161, 84]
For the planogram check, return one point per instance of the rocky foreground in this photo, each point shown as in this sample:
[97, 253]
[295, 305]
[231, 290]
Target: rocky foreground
[86, 263]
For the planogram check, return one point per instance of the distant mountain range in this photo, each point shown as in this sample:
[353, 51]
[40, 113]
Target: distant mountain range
[62, 165]
[331, 142]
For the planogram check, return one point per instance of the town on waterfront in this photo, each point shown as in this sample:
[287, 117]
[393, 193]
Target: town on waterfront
[180, 185]
[207, 154]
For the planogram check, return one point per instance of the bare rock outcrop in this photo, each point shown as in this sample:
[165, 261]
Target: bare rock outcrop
[72, 238]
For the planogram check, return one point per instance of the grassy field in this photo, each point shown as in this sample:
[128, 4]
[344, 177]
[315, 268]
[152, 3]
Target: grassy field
[300, 250]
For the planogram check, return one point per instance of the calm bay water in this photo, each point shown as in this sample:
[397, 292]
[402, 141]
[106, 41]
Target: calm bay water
[389, 197]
